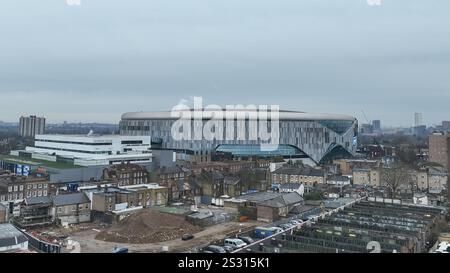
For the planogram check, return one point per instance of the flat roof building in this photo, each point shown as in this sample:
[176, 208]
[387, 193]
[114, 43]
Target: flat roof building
[90, 150]
[12, 239]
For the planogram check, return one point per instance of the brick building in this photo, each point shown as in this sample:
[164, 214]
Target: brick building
[125, 174]
[307, 176]
[14, 188]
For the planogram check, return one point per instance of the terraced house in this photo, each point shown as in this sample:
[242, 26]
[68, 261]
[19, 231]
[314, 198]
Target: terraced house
[307, 176]
[14, 188]
[126, 174]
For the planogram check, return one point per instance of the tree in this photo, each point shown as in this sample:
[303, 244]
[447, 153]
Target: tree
[395, 176]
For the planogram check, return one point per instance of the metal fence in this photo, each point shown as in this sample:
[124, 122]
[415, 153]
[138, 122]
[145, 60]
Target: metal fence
[42, 246]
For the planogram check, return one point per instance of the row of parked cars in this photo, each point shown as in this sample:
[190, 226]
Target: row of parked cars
[230, 245]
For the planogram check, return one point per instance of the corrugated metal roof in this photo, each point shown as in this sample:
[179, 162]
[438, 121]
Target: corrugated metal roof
[10, 235]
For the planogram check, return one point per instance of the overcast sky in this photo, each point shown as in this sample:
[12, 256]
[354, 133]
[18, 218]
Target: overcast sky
[95, 61]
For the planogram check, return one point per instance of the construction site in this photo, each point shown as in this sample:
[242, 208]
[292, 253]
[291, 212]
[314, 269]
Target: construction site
[363, 227]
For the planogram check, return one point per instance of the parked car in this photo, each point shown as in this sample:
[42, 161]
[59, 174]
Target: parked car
[235, 243]
[187, 237]
[228, 249]
[285, 226]
[246, 239]
[215, 249]
[207, 251]
[120, 250]
[296, 222]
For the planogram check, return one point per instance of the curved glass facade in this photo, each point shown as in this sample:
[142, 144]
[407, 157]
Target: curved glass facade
[335, 152]
[338, 126]
[255, 150]
[313, 138]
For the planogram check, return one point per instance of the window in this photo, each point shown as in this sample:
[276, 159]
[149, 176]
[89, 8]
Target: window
[59, 209]
[10, 189]
[34, 186]
[21, 188]
[39, 193]
[44, 193]
[29, 186]
[15, 188]
[40, 186]
[45, 186]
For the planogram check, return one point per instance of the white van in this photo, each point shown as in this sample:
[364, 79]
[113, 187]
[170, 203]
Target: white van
[235, 243]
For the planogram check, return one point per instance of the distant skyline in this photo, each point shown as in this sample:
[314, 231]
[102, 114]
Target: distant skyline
[96, 61]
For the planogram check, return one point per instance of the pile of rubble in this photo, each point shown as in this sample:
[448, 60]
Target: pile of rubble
[148, 226]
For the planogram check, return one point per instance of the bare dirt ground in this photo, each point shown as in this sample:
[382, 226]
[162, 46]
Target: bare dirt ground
[148, 226]
[89, 244]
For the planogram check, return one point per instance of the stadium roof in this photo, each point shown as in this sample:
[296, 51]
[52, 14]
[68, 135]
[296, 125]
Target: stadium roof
[283, 115]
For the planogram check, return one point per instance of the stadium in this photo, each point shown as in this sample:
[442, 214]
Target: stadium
[320, 137]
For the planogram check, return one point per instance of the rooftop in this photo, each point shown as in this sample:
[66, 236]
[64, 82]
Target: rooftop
[287, 199]
[143, 186]
[70, 199]
[292, 186]
[338, 178]
[283, 115]
[38, 200]
[36, 162]
[10, 235]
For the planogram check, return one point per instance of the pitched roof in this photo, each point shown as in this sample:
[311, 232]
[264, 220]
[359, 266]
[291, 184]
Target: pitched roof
[287, 199]
[38, 200]
[338, 178]
[292, 198]
[70, 199]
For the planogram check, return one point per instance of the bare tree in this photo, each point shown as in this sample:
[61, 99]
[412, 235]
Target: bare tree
[395, 176]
